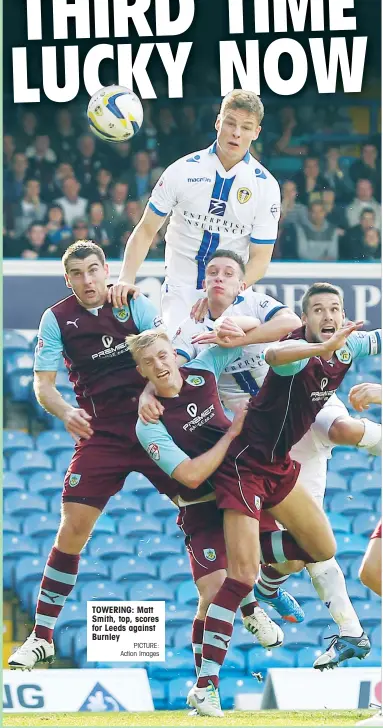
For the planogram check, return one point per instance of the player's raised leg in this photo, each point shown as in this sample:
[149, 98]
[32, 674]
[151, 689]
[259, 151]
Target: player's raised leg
[59, 579]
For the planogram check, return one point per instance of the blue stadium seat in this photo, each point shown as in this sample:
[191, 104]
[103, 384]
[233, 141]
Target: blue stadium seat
[12, 482]
[364, 524]
[350, 505]
[139, 524]
[73, 615]
[19, 385]
[178, 691]
[339, 524]
[152, 591]
[171, 528]
[11, 525]
[131, 568]
[177, 662]
[317, 615]
[29, 568]
[370, 613]
[232, 686]
[64, 638]
[14, 440]
[89, 570]
[350, 545]
[28, 461]
[370, 365]
[45, 483]
[367, 483]
[104, 524]
[187, 593]
[298, 636]
[14, 547]
[347, 462]
[356, 377]
[301, 589]
[374, 659]
[377, 465]
[80, 646]
[54, 442]
[13, 341]
[175, 569]
[20, 361]
[356, 590]
[123, 503]
[179, 615]
[285, 165]
[159, 505]
[182, 638]
[235, 664]
[354, 569]
[159, 547]
[138, 484]
[159, 694]
[101, 590]
[62, 461]
[23, 504]
[55, 501]
[260, 659]
[376, 637]
[242, 639]
[108, 547]
[307, 655]
[41, 525]
[335, 484]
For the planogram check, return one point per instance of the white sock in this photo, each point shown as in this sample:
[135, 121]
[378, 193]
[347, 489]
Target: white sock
[329, 583]
[372, 437]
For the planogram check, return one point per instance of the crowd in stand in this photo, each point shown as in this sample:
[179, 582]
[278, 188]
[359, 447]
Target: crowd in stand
[61, 184]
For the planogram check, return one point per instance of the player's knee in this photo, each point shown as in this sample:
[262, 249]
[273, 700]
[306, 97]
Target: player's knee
[290, 567]
[324, 551]
[73, 534]
[244, 571]
[339, 431]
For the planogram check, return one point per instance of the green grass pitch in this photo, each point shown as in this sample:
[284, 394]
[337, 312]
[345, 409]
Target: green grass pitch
[180, 719]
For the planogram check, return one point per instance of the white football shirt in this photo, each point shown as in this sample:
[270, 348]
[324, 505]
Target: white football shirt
[243, 377]
[212, 208]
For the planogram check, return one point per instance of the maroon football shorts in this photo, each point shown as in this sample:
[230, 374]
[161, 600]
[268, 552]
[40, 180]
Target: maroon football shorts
[247, 485]
[202, 526]
[378, 531]
[100, 465]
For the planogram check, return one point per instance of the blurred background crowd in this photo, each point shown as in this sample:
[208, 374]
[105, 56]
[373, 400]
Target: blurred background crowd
[62, 184]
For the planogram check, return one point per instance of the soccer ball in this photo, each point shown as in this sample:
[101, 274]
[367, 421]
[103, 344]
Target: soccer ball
[115, 114]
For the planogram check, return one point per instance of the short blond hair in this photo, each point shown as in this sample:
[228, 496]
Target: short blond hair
[240, 99]
[138, 342]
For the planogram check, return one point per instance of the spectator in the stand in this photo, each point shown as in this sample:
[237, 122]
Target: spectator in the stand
[30, 209]
[189, 136]
[71, 202]
[114, 208]
[309, 181]
[157, 248]
[352, 242]
[80, 228]
[364, 198]
[291, 210]
[368, 167]
[64, 141]
[26, 134]
[121, 161]
[101, 190]
[33, 245]
[87, 163]
[58, 233]
[9, 148]
[62, 172]
[41, 160]
[139, 183]
[334, 213]
[372, 249]
[147, 138]
[97, 229]
[133, 212]
[167, 138]
[15, 178]
[314, 239]
[337, 178]
[288, 134]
